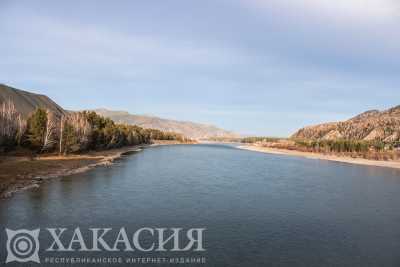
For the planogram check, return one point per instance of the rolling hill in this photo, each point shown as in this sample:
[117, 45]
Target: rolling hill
[187, 128]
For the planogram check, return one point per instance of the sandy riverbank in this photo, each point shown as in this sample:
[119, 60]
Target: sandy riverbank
[378, 163]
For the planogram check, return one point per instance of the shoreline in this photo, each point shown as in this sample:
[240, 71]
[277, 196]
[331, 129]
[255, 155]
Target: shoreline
[310, 155]
[23, 173]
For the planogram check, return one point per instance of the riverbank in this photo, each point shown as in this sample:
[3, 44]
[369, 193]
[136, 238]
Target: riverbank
[22, 172]
[311, 155]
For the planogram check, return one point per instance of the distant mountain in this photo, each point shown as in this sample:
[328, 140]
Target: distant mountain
[186, 128]
[370, 125]
[26, 102]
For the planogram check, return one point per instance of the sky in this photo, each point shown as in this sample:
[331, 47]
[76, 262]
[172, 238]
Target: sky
[257, 67]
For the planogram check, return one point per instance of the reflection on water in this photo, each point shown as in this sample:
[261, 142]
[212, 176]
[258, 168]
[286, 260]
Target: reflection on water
[259, 209]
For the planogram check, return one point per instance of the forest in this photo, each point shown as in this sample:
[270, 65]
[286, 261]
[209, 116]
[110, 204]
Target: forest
[74, 132]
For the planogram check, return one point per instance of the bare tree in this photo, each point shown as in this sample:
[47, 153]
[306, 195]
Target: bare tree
[12, 125]
[81, 129]
[62, 122]
[51, 131]
[21, 129]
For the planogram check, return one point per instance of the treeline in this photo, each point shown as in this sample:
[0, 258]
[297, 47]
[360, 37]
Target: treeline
[374, 150]
[339, 145]
[246, 140]
[223, 139]
[344, 145]
[255, 139]
[75, 132]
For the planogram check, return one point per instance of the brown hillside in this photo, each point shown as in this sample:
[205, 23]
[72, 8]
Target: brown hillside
[26, 102]
[370, 125]
[186, 128]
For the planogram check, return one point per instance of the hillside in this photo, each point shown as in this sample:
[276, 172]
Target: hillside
[188, 129]
[370, 125]
[26, 102]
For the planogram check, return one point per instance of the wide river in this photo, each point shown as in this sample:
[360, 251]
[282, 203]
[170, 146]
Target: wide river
[258, 209]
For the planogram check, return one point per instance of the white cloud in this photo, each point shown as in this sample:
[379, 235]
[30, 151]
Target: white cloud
[354, 10]
[357, 9]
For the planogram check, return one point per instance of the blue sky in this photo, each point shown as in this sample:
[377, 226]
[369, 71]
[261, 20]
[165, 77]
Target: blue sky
[257, 67]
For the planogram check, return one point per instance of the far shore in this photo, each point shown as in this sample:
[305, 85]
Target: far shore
[350, 160]
[21, 173]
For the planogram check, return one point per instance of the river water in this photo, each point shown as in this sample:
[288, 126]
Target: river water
[258, 209]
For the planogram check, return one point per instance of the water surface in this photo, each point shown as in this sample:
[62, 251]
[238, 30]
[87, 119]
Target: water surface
[259, 209]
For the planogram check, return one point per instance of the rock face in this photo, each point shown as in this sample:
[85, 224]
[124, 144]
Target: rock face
[370, 125]
[186, 128]
[26, 102]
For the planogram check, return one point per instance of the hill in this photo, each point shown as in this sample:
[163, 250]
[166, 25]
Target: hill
[186, 128]
[26, 102]
[368, 126]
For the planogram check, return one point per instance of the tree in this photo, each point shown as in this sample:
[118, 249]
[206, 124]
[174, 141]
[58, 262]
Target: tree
[60, 143]
[36, 129]
[76, 133]
[50, 133]
[12, 126]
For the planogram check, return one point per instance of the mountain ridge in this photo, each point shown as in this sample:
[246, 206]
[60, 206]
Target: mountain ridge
[368, 126]
[26, 102]
[187, 128]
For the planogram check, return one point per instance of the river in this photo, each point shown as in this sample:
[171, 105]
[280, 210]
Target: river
[258, 209]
